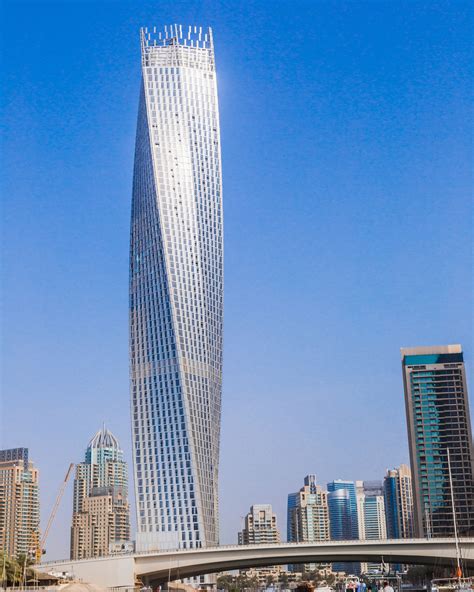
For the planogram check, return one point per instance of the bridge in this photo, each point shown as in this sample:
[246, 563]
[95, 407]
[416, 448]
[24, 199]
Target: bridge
[159, 567]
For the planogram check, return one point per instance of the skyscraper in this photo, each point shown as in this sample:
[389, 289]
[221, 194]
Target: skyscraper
[398, 498]
[438, 421]
[341, 522]
[176, 291]
[308, 516]
[260, 526]
[349, 486]
[19, 503]
[343, 517]
[101, 515]
[371, 515]
[371, 510]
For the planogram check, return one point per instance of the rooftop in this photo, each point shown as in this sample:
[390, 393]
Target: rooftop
[104, 439]
[168, 35]
[431, 349]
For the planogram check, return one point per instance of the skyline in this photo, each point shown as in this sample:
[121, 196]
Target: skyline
[384, 309]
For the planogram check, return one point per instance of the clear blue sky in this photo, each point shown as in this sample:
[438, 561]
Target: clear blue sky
[346, 137]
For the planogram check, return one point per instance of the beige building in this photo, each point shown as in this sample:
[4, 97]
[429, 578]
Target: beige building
[308, 514]
[260, 526]
[308, 517]
[19, 503]
[101, 513]
[103, 521]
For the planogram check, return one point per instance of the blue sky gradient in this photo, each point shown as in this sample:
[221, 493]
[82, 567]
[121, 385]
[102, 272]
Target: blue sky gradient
[346, 138]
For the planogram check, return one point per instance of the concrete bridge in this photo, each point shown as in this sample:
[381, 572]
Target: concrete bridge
[160, 567]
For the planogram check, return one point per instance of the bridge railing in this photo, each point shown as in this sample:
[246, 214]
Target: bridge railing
[364, 542]
[267, 545]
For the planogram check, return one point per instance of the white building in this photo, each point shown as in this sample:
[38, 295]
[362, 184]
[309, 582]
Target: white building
[371, 515]
[176, 292]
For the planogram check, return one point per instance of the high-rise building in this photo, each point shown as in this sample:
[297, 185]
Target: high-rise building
[343, 517]
[349, 486]
[176, 291]
[341, 522]
[398, 498]
[371, 515]
[19, 503]
[308, 516]
[360, 497]
[438, 420]
[260, 527]
[101, 515]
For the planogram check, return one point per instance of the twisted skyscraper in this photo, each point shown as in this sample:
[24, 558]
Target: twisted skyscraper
[176, 291]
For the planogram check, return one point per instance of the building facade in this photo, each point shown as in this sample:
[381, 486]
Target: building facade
[398, 499]
[340, 520]
[349, 486]
[371, 516]
[308, 516]
[260, 526]
[176, 292]
[19, 504]
[101, 514]
[343, 517]
[438, 421]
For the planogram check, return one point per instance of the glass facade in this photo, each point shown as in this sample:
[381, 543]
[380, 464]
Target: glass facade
[438, 420]
[349, 486]
[398, 498]
[176, 291]
[341, 522]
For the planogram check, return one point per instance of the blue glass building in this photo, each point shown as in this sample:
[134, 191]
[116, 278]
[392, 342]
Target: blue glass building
[341, 523]
[349, 486]
[398, 497]
[340, 520]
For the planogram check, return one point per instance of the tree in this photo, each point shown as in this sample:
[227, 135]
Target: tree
[304, 587]
[315, 576]
[12, 570]
[253, 582]
[226, 582]
[284, 580]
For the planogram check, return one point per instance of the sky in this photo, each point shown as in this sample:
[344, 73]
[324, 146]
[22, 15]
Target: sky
[347, 175]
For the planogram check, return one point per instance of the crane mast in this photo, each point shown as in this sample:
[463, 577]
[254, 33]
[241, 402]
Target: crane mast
[41, 546]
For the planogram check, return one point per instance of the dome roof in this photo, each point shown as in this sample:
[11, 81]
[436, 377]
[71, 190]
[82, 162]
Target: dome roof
[104, 439]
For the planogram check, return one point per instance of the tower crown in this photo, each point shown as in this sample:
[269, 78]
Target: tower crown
[104, 439]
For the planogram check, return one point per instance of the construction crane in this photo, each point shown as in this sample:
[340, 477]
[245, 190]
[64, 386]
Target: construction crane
[40, 549]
